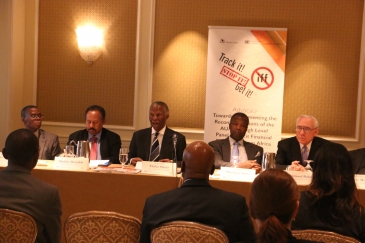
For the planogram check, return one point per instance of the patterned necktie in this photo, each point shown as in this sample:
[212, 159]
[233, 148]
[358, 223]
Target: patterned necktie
[94, 148]
[155, 149]
[235, 153]
[304, 153]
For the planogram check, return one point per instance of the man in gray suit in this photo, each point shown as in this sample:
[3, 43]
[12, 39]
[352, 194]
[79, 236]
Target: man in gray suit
[20, 191]
[249, 154]
[49, 145]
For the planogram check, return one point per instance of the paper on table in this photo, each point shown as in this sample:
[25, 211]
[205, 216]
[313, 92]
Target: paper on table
[41, 162]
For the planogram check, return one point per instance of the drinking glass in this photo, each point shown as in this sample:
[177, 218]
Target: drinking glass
[123, 156]
[69, 151]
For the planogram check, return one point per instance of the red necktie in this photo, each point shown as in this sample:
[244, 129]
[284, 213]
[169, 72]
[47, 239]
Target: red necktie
[94, 148]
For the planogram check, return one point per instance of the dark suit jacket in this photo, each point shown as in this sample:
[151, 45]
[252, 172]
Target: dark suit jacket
[110, 143]
[289, 151]
[49, 146]
[197, 201]
[141, 144]
[222, 150]
[20, 191]
[358, 160]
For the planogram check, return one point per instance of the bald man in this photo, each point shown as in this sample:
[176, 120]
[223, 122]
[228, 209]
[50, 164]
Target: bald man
[21, 191]
[196, 200]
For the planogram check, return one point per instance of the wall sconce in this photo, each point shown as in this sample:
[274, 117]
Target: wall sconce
[90, 40]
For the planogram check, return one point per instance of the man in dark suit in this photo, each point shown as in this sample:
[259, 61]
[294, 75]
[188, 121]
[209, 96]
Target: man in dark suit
[170, 144]
[249, 154]
[107, 142]
[49, 145]
[20, 191]
[291, 150]
[196, 200]
[358, 160]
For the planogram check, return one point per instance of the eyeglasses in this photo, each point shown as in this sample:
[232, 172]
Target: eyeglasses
[35, 116]
[305, 129]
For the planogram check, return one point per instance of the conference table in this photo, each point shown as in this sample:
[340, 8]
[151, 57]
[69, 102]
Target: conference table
[120, 192]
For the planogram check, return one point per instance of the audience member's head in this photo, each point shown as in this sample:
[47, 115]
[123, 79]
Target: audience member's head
[95, 119]
[22, 148]
[238, 125]
[333, 184]
[198, 161]
[274, 202]
[31, 117]
[159, 113]
[306, 129]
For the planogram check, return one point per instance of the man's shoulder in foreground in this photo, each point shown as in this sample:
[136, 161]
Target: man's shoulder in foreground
[218, 141]
[288, 140]
[48, 134]
[108, 132]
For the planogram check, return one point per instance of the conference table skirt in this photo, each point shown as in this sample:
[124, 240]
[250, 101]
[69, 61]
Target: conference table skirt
[123, 193]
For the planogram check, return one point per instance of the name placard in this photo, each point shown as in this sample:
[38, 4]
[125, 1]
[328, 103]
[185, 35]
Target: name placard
[68, 163]
[301, 177]
[237, 174]
[3, 161]
[158, 168]
[360, 181]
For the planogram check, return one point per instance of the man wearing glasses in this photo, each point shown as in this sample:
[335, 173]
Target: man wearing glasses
[297, 151]
[49, 145]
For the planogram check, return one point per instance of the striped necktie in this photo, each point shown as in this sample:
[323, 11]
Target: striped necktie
[155, 149]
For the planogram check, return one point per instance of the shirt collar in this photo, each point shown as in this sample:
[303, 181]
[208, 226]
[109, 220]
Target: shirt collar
[231, 141]
[98, 136]
[162, 131]
[308, 145]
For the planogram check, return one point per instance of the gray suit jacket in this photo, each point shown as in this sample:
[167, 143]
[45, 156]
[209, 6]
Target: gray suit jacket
[222, 150]
[20, 191]
[49, 146]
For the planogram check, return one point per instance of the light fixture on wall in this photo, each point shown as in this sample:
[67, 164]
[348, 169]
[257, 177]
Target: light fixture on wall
[90, 40]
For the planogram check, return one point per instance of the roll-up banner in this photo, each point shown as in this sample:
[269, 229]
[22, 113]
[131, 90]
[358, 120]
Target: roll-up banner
[245, 73]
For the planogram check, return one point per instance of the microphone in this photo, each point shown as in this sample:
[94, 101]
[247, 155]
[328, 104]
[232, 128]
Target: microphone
[174, 141]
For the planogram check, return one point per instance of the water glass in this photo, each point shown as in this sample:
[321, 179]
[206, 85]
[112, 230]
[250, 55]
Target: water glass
[123, 156]
[69, 151]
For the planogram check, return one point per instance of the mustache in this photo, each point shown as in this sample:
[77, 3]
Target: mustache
[91, 129]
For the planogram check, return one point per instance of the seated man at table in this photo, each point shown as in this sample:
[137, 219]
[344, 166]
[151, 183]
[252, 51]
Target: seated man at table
[196, 200]
[105, 143]
[295, 151]
[20, 191]
[358, 160]
[227, 150]
[158, 142]
[49, 146]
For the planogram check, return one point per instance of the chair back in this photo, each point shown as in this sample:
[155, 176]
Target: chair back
[184, 231]
[323, 236]
[100, 226]
[17, 227]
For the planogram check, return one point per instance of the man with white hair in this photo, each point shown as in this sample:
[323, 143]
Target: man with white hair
[296, 151]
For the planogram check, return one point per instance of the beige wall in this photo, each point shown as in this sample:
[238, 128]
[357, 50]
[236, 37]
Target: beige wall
[157, 51]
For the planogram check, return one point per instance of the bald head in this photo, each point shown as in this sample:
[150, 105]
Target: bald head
[22, 148]
[198, 161]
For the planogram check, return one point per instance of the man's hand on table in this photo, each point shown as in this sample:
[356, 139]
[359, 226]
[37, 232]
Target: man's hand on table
[295, 166]
[250, 164]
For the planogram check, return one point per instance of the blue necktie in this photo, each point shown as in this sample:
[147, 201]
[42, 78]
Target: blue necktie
[235, 153]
